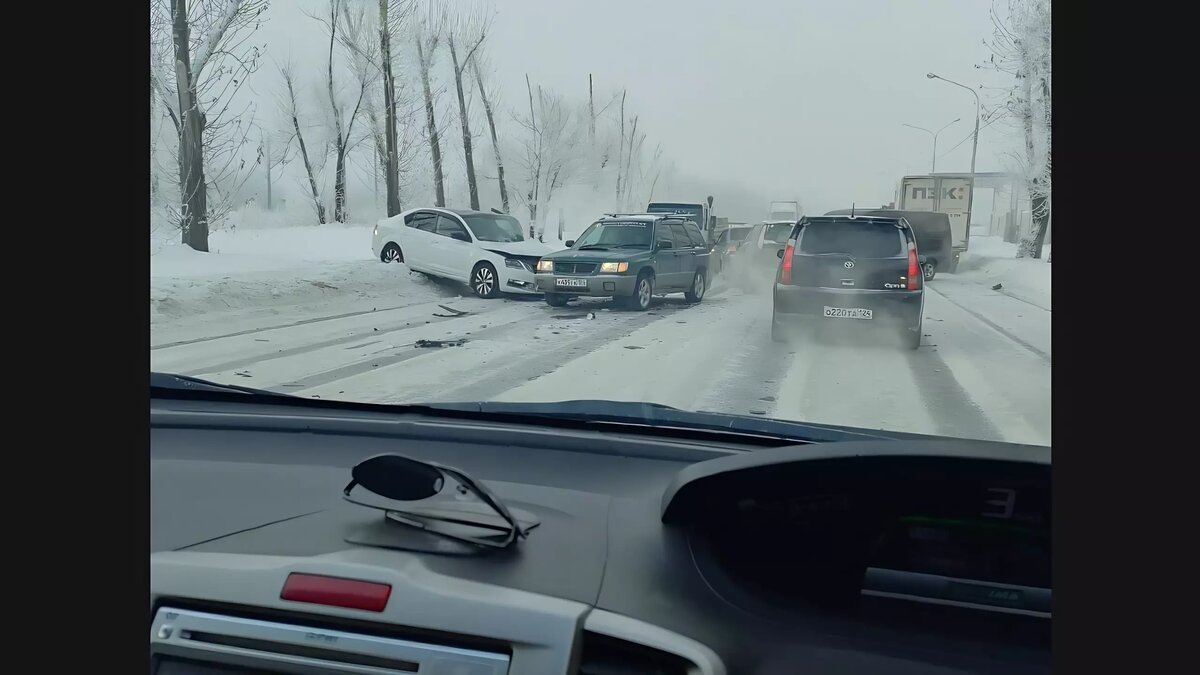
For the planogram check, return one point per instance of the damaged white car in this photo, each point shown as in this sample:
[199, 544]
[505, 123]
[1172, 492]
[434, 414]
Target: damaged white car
[486, 251]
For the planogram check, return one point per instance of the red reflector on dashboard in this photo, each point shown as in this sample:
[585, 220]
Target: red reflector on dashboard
[336, 592]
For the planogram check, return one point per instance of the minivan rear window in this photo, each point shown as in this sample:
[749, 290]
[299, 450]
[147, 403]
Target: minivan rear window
[868, 240]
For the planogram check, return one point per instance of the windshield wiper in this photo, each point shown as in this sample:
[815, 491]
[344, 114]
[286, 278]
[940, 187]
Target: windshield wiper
[185, 383]
[632, 246]
[620, 416]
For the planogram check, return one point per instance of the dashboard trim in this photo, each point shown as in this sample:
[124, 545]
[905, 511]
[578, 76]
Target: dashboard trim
[257, 644]
[540, 630]
[632, 630]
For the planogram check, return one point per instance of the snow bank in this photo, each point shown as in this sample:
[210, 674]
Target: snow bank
[266, 269]
[991, 260]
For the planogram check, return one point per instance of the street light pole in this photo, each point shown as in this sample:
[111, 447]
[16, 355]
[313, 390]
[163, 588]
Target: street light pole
[974, 143]
[932, 169]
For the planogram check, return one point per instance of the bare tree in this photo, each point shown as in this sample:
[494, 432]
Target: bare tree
[388, 20]
[469, 31]
[656, 168]
[533, 159]
[621, 151]
[599, 154]
[428, 33]
[385, 104]
[1020, 47]
[200, 57]
[348, 24]
[551, 154]
[488, 100]
[635, 147]
[291, 110]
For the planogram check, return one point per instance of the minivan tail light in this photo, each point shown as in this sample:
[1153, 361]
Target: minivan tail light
[914, 270]
[786, 275]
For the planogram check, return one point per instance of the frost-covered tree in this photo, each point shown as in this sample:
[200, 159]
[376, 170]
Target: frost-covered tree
[490, 97]
[350, 25]
[1020, 47]
[313, 162]
[200, 57]
[550, 151]
[429, 28]
[464, 37]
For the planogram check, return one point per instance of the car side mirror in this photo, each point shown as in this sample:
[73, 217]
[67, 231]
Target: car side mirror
[570, 243]
[779, 254]
[461, 236]
[662, 245]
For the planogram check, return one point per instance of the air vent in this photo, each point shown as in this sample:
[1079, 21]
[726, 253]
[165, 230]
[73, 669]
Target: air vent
[604, 655]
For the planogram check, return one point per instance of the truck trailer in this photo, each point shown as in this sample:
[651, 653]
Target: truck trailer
[948, 195]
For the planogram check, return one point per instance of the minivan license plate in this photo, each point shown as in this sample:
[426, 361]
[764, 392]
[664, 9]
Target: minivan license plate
[848, 313]
[571, 283]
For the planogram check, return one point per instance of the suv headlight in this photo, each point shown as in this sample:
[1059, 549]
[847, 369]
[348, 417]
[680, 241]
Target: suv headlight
[614, 267]
[545, 266]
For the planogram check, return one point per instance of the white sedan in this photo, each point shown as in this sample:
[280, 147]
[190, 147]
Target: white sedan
[486, 251]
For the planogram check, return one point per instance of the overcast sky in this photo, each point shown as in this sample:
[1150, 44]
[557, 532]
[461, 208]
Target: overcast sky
[787, 97]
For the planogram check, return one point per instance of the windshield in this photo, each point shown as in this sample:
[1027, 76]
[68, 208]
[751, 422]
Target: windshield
[372, 202]
[625, 234]
[778, 233]
[494, 228]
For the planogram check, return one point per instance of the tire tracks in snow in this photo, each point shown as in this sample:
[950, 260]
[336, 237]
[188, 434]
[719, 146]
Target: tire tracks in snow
[291, 324]
[996, 327]
[457, 379]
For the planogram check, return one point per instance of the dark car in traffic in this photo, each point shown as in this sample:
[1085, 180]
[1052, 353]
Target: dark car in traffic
[726, 246]
[848, 269]
[932, 230]
[630, 258]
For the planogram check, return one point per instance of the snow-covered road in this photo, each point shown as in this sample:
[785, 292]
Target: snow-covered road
[983, 370]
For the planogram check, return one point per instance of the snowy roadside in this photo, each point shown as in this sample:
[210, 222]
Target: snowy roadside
[991, 260]
[1019, 309]
[259, 277]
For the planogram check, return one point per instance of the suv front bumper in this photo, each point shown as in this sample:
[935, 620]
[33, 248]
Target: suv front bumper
[598, 286]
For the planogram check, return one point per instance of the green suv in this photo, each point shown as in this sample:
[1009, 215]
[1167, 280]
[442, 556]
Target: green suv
[629, 258]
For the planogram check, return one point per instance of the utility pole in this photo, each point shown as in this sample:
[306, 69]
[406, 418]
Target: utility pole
[932, 169]
[974, 142]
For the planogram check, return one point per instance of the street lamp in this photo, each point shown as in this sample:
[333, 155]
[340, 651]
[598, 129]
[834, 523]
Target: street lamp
[974, 142]
[933, 169]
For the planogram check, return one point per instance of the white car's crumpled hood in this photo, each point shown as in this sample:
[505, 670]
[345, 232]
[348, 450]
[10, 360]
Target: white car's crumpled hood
[526, 247]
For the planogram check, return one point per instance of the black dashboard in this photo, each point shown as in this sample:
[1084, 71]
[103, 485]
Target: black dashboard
[653, 554]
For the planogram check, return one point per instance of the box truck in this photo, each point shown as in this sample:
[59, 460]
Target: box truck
[941, 194]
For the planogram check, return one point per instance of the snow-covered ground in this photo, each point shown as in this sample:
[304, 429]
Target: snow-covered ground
[308, 310]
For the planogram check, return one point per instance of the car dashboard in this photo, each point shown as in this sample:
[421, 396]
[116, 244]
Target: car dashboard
[652, 553]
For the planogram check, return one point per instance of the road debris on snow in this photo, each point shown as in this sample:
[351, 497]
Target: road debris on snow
[424, 344]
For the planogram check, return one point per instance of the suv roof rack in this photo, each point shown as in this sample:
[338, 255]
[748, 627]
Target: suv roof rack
[655, 216]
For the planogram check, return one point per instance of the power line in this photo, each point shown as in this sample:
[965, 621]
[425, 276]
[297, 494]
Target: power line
[994, 120]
